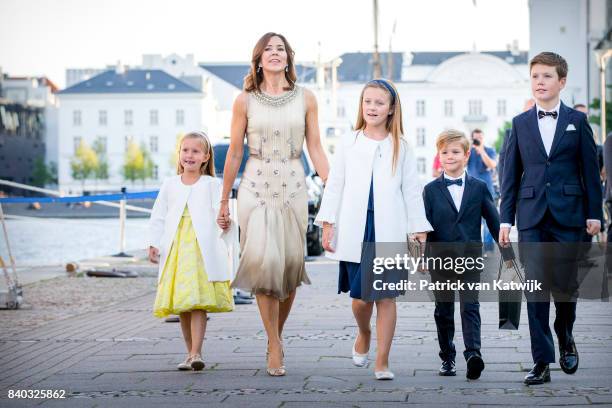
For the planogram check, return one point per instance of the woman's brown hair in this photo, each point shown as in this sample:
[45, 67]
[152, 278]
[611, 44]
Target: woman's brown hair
[254, 78]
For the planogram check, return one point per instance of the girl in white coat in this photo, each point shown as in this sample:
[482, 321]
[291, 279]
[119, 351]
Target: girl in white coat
[194, 274]
[372, 195]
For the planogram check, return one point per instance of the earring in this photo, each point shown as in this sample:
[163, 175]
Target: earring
[286, 68]
[259, 69]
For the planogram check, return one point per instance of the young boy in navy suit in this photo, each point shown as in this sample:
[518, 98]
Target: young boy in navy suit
[455, 204]
[551, 185]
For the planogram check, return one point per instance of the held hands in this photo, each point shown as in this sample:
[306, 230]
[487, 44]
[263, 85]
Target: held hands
[328, 235]
[153, 255]
[223, 219]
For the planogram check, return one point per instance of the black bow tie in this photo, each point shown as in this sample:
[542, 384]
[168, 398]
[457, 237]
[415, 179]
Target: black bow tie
[450, 182]
[541, 114]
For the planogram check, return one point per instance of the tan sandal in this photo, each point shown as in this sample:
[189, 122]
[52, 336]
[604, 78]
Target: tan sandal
[185, 365]
[278, 371]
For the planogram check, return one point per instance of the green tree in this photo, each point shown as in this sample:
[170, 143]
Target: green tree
[133, 163]
[84, 163]
[101, 171]
[147, 166]
[501, 134]
[596, 106]
[52, 169]
[44, 174]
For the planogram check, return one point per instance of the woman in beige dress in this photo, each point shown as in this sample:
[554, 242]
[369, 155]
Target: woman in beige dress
[276, 116]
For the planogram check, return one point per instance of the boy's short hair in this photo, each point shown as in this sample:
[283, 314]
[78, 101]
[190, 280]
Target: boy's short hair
[552, 60]
[450, 136]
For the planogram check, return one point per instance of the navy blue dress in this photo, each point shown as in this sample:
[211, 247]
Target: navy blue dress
[351, 274]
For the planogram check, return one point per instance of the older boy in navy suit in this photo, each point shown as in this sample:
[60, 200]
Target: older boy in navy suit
[455, 204]
[551, 184]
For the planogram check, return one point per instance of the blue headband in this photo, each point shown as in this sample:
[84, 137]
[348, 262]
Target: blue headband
[387, 86]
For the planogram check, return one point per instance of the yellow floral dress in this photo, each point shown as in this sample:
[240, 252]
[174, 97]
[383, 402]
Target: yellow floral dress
[184, 285]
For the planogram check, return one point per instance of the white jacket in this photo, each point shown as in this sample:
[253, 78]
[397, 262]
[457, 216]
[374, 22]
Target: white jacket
[398, 200]
[202, 199]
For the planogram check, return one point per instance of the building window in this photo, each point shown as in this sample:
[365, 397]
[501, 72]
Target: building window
[128, 117]
[155, 172]
[128, 140]
[420, 108]
[76, 118]
[501, 107]
[420, 136]
[153, 144]
[475, 107]
[180, 117]
[153, 117]
[102, 118]
[421, 165]
[448, 108]
[77, 142]
[101, 144]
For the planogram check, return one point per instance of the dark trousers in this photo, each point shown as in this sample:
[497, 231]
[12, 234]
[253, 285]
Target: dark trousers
[554, 264]
[444, 316]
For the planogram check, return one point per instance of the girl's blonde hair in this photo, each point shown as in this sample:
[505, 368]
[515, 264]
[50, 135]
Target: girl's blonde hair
[394, 120]
[208, 167]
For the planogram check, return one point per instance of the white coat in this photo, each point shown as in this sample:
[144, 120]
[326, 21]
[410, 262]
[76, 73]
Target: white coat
[202, 199]
[398, 200]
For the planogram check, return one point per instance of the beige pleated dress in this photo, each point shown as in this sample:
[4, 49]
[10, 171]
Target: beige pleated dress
[272, 197]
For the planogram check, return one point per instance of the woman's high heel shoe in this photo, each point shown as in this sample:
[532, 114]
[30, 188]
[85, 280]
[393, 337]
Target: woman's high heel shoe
[278, 371]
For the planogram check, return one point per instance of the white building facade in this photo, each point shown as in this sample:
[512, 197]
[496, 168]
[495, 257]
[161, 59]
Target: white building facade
[148, 107]
[464, 92]
[572, 29]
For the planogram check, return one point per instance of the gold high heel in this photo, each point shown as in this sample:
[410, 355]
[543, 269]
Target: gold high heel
[278, 371]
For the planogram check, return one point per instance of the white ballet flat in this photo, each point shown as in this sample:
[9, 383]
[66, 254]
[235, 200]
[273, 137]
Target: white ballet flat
[360, 360]
[384, 375]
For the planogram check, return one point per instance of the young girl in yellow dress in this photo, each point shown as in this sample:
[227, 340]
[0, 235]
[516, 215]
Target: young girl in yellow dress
[194, 273]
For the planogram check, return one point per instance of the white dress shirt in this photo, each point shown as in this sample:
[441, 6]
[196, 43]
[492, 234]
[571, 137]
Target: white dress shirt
[547, 126]
[456, 191]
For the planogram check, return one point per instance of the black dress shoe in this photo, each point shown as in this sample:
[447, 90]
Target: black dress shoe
[539, 374]
[569, 359]
[475, 365]
[447, 368]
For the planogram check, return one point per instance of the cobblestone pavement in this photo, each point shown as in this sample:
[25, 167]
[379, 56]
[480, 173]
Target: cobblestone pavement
[121, 356]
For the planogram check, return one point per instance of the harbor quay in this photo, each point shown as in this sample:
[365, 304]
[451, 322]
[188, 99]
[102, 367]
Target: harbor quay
[93, 342]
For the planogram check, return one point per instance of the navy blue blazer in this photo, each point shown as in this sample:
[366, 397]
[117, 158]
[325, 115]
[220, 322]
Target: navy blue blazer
[463, 225]
[566, 182]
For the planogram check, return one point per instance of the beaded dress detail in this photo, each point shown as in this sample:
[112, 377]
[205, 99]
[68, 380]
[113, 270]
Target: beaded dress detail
[272, 197]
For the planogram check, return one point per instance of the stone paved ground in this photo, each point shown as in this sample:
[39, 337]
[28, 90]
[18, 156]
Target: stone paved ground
[121, 356]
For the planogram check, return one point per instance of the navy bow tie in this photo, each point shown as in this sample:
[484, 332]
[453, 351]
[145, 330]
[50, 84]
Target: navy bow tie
[450, 182]
[541, 114]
